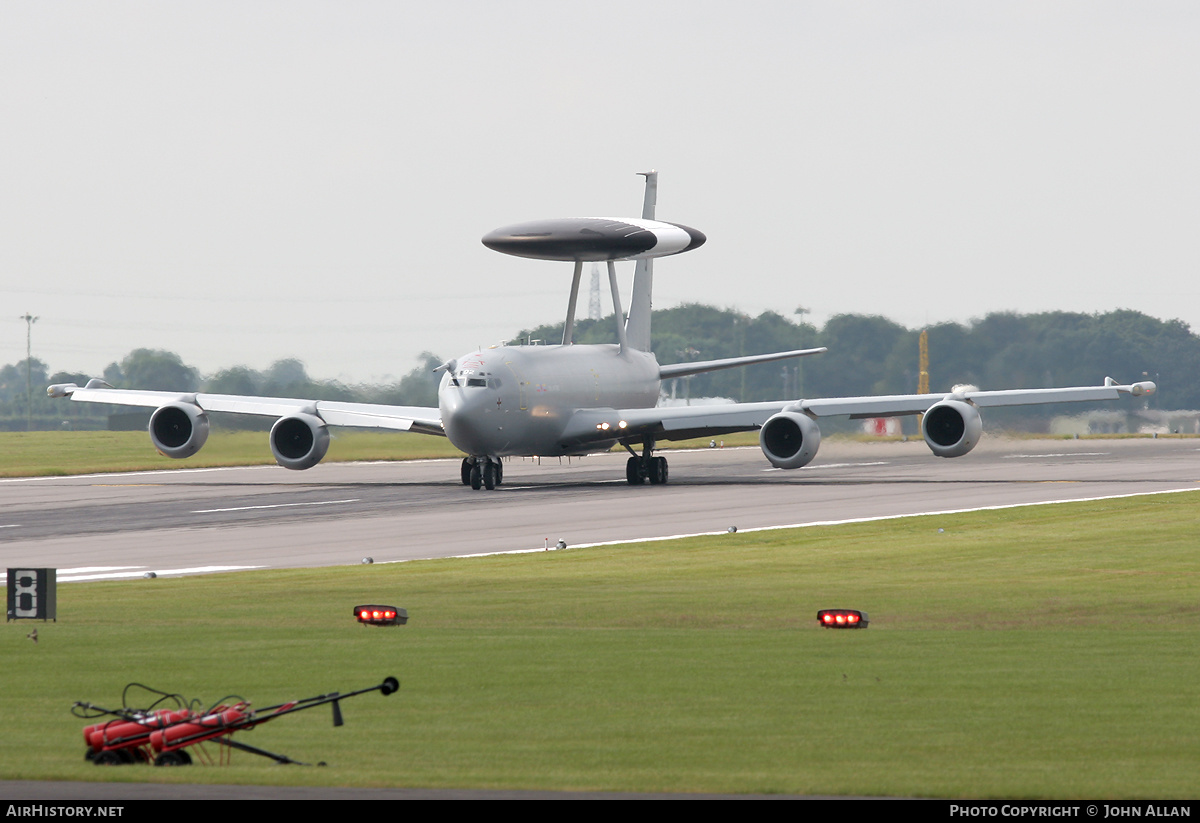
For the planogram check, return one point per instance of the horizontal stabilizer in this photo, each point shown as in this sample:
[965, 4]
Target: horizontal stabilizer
[701, 366]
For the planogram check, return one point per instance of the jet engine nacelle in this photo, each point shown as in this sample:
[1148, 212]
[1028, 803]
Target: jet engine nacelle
[178, 429]
[300, 441]
[789, 440]
[951, 428]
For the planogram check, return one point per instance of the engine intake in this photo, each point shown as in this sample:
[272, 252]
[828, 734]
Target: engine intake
[178, 429]
[951, 428]
[299, 442]
[789, 440]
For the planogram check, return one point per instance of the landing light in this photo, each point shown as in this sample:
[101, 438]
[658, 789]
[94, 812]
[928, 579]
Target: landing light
[381, 615]
[842, 619]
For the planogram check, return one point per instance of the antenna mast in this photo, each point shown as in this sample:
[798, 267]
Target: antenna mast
[594, 294]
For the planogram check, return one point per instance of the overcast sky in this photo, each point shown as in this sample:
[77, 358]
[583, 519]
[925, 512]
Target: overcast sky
[243, 181]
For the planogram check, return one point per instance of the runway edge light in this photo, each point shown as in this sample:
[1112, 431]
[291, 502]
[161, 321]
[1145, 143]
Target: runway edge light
[380, 615]
[842, 619]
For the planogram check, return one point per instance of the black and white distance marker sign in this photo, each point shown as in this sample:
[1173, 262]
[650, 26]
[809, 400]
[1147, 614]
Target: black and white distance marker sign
[32, 594]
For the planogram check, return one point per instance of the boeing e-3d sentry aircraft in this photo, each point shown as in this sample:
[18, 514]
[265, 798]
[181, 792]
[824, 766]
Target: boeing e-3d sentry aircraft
[574, 399]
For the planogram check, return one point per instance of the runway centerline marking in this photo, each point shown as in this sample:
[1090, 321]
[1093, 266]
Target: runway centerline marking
[834, 466]
[274, 506]
[1061, 454]
[145, 473]
[204, 469]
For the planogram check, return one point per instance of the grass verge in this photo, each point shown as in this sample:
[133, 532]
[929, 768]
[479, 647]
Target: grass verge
[37, 454]
[1039, 652]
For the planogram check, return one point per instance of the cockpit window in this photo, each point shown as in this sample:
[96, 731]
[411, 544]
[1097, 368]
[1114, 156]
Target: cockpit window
[475, 378]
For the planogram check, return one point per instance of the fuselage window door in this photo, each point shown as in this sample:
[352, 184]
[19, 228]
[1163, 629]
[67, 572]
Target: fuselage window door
[520, 385]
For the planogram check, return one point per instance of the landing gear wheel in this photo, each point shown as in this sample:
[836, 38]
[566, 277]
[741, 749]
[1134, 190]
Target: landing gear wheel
[175, 758]
[633, 471]
[466, 471]
[476, 478]
[499, 472]
[658, 470]
[489, 475]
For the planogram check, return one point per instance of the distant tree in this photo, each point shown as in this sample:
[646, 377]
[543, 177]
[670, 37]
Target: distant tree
[16, 378]
[155, 370]
[285, 377]
[113, 375]
[236, 380]
[859, 349]
[288, 378]
[22, 393]
[954, 357]
[419, 387]
[867, 355]
[78, 378]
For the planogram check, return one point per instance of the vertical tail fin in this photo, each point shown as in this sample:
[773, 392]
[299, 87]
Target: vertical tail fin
[637, 327]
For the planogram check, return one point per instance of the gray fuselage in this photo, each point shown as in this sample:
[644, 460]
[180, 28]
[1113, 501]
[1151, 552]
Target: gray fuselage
[518, 400]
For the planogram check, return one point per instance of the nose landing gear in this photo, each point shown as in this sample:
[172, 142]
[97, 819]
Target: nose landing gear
[482, 472]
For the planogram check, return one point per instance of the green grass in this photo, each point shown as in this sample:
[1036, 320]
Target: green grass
[1040, 652]
[38, 454]
[35, 454]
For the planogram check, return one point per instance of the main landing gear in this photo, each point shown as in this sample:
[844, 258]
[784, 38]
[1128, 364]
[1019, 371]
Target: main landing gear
[643, 467]
[482, 472]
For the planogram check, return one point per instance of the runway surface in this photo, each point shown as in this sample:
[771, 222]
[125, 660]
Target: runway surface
[192, 521]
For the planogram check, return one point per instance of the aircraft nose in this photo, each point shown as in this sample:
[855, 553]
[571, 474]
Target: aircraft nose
[462, 419]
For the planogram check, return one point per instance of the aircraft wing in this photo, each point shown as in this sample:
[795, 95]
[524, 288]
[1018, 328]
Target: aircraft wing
[363, 415]
[685, 422]
[901, 404]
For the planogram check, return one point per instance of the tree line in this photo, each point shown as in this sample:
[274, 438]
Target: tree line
[867, 355]
[157, 370]
[874, 355]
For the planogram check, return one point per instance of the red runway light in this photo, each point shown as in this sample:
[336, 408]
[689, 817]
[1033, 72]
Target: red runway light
[842, 619]
[373, 615]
